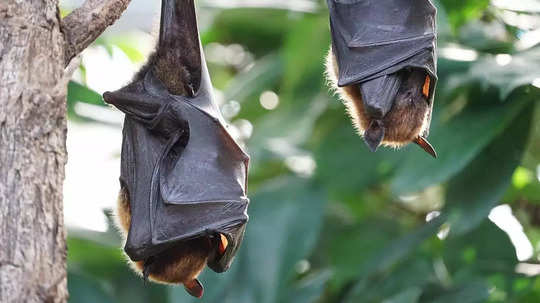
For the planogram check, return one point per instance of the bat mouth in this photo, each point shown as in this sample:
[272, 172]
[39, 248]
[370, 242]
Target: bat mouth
[394, 111]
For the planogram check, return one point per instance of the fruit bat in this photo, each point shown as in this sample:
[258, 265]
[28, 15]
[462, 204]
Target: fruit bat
[382, 63]
[182, 203]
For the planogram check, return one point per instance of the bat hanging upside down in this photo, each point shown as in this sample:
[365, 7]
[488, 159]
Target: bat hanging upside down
[382, 64]
[183, 178]
[392, 110]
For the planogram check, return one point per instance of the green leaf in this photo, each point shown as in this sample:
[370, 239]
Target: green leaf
[396, 251]
[350, 246]
[404, 283]
[457, 143]
[303, 55]
[480, 186]
[475, 292]
[106, 264]
[522, 70]
[309, 290]
[81, 93]
[83, 289]
[459, 12]
[408, 296]
[259, 30]
[346, 165]
[94, 258]
[485, 249]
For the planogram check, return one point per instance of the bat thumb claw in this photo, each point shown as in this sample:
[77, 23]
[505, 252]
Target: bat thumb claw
[425, 145]
[194, 288]
[223, 243]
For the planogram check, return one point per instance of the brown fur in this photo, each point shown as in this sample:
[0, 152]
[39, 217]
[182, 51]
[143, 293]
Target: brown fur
[181, 263]
[177, 60]
[169, 70]
[405, 121]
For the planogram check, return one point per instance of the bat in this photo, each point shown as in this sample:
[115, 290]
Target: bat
[382, 64]
[182, 204]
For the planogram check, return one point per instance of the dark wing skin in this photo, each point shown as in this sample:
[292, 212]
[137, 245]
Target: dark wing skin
[374, 40]
[185, 175]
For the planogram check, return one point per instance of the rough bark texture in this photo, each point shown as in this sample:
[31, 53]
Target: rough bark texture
[33, 86]
[32, 153]
[86, 23]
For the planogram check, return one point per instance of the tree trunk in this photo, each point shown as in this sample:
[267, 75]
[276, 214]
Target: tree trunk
[32, 152]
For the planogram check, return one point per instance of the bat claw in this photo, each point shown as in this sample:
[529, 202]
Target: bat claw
[425, 145]
[194, 288]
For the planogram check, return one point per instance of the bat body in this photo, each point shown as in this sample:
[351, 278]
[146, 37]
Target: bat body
[183, 201]
[382, 63]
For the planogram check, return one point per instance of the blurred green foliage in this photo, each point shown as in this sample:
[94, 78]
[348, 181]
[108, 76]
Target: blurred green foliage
[332, 222]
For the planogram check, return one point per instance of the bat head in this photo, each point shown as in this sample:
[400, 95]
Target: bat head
[391, 110]
[180, 263]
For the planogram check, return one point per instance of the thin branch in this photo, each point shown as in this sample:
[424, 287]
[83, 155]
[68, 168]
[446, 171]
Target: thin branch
[87, 22]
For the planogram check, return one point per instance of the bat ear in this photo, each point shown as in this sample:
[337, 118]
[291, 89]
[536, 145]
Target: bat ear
[194, 288]
[131, 103]
[374, 135]
[425, 145]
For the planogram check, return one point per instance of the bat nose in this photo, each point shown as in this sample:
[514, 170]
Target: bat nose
[378, 94]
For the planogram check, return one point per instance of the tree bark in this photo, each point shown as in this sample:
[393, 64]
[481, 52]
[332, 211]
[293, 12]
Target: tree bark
[32, 153]
[33, 85]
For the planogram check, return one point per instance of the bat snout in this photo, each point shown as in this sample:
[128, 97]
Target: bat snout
[374, 135]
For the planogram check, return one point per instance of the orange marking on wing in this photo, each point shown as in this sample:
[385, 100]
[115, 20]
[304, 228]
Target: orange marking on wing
[223, 243]
[425, 89]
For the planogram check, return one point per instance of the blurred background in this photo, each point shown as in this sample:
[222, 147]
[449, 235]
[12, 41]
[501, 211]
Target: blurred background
[330, 221]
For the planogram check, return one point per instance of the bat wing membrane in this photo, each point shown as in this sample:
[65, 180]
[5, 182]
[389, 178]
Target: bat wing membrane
[185, 174]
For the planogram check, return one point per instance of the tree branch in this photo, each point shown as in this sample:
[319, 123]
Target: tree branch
[87, 22]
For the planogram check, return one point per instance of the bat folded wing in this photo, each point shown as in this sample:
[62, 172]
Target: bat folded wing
[185, 175]
[204, 190]
[375, 38]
